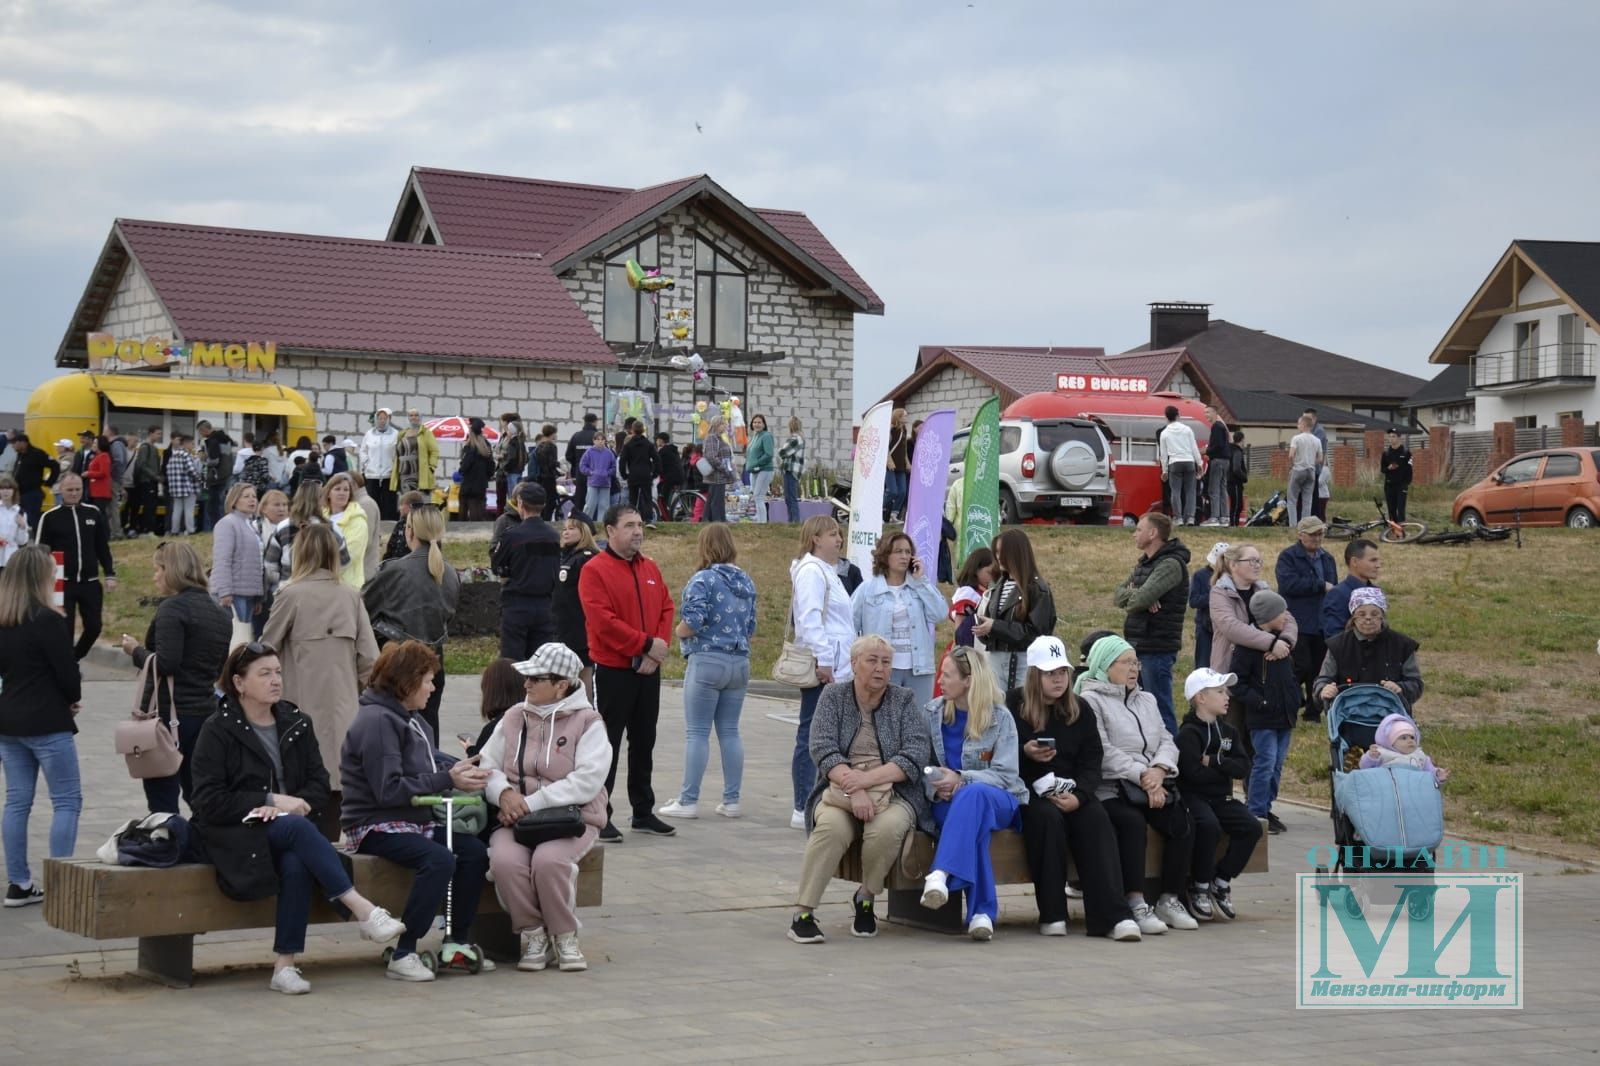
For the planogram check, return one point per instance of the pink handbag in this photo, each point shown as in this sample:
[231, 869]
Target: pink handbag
[149, 744]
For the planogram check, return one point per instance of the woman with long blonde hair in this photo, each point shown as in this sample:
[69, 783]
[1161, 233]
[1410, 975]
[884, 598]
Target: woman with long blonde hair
[977, 790]
[414, 597]
[717, 620]
[339, 507]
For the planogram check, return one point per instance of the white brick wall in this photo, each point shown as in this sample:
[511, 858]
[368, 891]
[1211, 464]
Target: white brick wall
[134, 310]
[950, 387]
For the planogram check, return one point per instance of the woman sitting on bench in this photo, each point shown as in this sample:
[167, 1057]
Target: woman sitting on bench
[976, 791]
[258, 783]
[1061, 757]
[389, 758]
[869, 743]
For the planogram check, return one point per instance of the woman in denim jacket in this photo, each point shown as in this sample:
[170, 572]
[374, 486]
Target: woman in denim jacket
[719, 617]
[898, 602]
[977, 790]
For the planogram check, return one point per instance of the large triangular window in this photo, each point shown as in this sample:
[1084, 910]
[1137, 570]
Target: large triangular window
[721, 301]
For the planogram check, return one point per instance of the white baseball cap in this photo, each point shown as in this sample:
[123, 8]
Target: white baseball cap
[1047, 654]
[1203, 679]
[64, 442]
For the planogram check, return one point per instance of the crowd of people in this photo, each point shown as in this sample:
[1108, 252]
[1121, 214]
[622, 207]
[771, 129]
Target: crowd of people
[302, 681]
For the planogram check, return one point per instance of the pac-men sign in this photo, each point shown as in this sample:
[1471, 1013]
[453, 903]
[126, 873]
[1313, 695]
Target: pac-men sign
[158, 351]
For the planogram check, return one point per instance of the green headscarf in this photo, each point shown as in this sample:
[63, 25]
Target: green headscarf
[1106, 651]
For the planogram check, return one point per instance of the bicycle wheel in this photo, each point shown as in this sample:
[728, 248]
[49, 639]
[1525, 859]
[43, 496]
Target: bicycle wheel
[1409, 531]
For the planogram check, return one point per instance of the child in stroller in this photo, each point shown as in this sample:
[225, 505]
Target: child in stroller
[1397, 742]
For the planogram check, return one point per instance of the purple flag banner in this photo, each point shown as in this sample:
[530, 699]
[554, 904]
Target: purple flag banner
[930, 475]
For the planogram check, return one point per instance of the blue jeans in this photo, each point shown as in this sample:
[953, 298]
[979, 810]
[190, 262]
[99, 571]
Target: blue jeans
[24, 757]
[598, 501]
[791, 497]
[896, 485]
[244, 608]
[713, 695]
[511, 490]
[965, 822]
[1272, 748]
[161, 793]
[1155, 677]
[303, 856]
[921, 685]
[803, 768]
[437, 870]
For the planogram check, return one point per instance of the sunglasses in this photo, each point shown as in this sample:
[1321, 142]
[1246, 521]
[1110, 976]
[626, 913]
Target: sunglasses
[552, 678]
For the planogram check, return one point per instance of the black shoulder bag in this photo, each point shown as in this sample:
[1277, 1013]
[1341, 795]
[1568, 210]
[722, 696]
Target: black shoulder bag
[550, 823]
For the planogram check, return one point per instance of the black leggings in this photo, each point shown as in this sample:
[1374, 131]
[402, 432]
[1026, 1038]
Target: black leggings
[1212, 818]
[1172, 822]
[1049, 835]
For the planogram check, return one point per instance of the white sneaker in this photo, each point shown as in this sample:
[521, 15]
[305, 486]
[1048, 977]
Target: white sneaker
[1074, 892]
[1127, 929]
[1144, 916]
[797, 820]
[935, 892]
[380, 926]
[728, 810]
[409, 968]
[289, 982]
[980, 928]
[1052, 928]
[535, 951]
[568, 957]
[1172, 911]
[679, 810]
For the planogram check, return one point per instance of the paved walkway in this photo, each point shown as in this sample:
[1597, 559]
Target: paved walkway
[689, 964]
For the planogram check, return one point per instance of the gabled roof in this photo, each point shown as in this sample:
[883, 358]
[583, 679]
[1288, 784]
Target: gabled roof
[1571, 268]
[1448, 386]
[1251, 408]
[1237, 357]
[339, 294]
[566, 223]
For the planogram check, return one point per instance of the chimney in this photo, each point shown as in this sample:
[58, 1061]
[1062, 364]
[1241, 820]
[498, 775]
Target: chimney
[1172, 322]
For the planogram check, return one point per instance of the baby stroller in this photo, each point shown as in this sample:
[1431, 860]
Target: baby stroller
[1274, 512]
[1395, 812]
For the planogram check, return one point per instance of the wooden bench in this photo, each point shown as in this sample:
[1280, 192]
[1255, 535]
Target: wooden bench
[166, 909]
[1010, 862]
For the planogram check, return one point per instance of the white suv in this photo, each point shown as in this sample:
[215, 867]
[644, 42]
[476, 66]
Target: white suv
[1050, 468]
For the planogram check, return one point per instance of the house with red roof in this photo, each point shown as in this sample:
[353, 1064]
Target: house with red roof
[491, 294]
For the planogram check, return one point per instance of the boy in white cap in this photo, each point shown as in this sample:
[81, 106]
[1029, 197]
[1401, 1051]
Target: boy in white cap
[1210, 759]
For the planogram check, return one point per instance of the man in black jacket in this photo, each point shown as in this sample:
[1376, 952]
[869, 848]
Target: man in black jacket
[1155, 596]
[670, 465]
[34, 471]
[637, 463]
[581, 442]
[1396, 474]
[527, 559]
[81, 534]
[218, 469]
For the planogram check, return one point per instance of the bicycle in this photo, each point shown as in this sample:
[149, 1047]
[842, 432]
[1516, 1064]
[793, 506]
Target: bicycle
[1474, 533]
[1392, 532]
[680, 508]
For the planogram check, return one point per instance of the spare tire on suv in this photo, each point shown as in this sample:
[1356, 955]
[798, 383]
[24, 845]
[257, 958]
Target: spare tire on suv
[1074, 465]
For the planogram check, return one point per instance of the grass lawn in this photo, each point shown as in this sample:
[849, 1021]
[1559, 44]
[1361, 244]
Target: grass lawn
[1508, 651]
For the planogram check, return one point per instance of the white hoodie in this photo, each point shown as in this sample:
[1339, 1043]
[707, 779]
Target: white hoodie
[821, 611]
[13, 530]
[377, 452]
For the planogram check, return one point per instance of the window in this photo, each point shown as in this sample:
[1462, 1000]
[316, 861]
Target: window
[1521, 470]
[1562, 464]
[629, 318]
[1569, 330]
[1053, 435]
[719, 386]
[1562, 416]
[720, 290]
[1525, 422]
[645, 381]
[1527, 351]
[1010, 439]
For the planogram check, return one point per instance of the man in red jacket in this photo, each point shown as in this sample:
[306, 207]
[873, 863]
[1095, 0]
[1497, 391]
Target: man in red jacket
[627, 612]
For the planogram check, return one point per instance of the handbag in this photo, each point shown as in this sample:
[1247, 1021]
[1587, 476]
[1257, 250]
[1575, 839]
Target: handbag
[550, 823]
[796, 664]
[703, 465]
[1134, 796]
[149, 744]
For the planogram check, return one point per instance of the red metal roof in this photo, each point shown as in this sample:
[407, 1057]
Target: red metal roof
[557, 218]
[1019, 370]
[336, 293]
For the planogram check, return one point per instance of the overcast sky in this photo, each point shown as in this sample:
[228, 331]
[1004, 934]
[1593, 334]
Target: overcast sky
[1341, 174]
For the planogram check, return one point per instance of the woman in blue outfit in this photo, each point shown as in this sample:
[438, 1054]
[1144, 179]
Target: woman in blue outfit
[719, 617]
[977, 789]
[898, 602]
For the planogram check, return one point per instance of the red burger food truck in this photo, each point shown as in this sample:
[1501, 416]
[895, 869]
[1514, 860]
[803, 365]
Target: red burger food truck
[1132, 417]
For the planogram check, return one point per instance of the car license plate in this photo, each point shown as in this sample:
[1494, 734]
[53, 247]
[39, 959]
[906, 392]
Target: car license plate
[1076, 501]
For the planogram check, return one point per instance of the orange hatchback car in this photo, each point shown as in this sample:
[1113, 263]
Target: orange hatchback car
[1546, 488]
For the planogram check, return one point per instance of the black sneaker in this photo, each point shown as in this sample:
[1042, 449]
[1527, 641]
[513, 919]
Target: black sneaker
[1199, 902]
[610, 834]
[1274, 825]
[1222, 898]
[17, 896]
[865, 923]
[804, 929]
[649, 823]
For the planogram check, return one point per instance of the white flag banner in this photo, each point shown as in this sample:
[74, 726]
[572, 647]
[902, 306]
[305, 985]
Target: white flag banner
[866, 484]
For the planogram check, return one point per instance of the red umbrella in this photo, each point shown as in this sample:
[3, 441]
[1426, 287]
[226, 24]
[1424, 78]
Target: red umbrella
[455, 428]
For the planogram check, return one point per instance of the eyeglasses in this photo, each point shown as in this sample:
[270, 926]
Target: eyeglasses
[552, 678]
[1250, 562]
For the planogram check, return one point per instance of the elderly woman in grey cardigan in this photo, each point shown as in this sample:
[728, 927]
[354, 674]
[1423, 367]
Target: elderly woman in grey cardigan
[870, 742]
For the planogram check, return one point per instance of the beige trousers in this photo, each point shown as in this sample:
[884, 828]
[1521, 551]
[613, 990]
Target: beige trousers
[835, 830]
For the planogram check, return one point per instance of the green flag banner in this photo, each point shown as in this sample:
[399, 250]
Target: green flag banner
[980, 483]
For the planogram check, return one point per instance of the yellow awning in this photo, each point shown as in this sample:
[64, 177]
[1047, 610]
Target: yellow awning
[200, 394]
